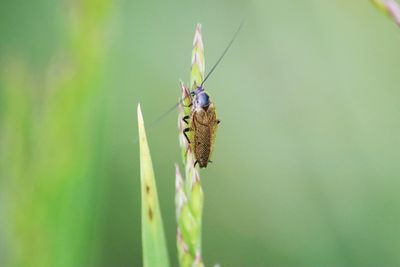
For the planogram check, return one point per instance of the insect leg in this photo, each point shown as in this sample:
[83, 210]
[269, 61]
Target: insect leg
[186, 118]
[185, 134]
[195, 163]
[218, 121]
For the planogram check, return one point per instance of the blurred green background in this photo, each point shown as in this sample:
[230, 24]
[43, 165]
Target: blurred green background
[306, 164]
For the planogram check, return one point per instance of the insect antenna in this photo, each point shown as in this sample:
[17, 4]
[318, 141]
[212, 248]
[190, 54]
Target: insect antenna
[166, 113]
[223, 54]
[161, 117]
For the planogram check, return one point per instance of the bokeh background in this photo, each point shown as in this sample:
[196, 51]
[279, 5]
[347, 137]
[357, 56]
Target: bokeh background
[306, 166]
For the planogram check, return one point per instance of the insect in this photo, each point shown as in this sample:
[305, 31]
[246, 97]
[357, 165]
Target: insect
[203, 121]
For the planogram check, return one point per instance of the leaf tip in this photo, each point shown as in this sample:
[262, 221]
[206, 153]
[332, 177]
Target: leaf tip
[141, 127]
[139, 111]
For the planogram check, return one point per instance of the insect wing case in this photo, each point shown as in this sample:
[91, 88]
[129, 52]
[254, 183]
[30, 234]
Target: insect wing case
[204, 126]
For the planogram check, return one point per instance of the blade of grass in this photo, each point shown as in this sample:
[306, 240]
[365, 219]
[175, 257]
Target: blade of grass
[189, 194]
[390, 7]
[153, 239]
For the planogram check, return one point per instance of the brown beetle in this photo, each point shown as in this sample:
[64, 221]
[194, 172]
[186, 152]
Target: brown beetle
[203, 124]
[202, 121]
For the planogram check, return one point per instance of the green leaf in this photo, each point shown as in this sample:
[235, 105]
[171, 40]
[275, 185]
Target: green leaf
[153, 239]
